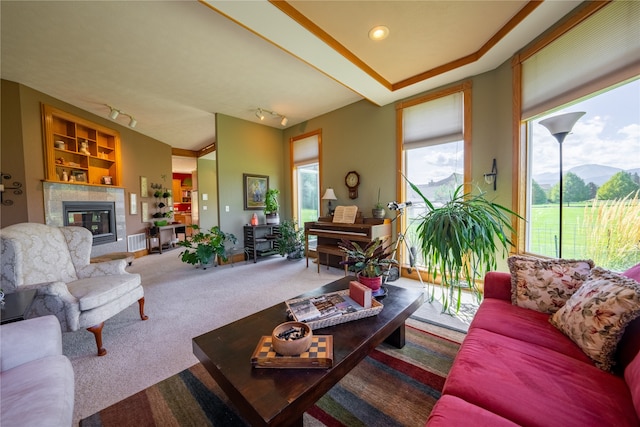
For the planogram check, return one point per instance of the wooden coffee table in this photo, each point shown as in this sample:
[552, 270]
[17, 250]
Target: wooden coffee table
[279, 397]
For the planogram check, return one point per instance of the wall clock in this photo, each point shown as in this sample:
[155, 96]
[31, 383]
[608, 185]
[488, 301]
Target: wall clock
[352, 180]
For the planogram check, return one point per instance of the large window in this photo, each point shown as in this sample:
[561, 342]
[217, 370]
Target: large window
[435, 143]
[591, 67]
[601, 166]
[305, 167]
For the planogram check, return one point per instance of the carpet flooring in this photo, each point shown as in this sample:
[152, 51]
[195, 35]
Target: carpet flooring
[415, 374]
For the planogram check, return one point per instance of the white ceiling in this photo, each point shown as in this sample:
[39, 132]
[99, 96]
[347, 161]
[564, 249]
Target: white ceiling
[173, 64]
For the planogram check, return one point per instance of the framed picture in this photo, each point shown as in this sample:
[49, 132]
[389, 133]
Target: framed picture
[133, 204]
[107, 180]
[255, 188]
[144, 189]
[145, 211]
[79, 176]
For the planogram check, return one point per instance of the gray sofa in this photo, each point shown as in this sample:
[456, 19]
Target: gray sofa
[36, 380]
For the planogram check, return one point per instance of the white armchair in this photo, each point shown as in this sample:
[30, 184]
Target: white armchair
[36, 380]
[56, 262]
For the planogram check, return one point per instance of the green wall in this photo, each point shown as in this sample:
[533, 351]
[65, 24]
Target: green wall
[247, 147]
[22, 150]
[359, 137]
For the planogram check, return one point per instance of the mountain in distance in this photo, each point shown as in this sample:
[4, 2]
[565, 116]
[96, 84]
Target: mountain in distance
[598, 174]
[437, 190]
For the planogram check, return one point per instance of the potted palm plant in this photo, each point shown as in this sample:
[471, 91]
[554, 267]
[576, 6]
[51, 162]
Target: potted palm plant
[369, 263]
[271, 206]
[290, 240]
[202, 248]
[459, 240]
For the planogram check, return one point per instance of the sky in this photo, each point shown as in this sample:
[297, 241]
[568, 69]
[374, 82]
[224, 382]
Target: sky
[608, 134]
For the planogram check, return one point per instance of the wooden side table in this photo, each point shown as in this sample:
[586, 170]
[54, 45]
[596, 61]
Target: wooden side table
[15, 305]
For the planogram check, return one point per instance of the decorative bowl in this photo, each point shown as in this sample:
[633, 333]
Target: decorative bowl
[293, 345]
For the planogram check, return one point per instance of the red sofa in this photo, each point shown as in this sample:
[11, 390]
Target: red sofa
[516, 369]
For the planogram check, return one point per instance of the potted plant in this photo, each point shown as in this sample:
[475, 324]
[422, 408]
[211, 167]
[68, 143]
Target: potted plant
[203, 246]
[271, 206]
[369, 262]
[378, 209]
[290, 240]
[459, 240]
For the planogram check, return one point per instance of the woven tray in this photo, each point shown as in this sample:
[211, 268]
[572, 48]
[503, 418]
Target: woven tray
[376, 307]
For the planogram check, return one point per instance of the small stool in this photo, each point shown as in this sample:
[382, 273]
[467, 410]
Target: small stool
[127, 256]
[331, 250]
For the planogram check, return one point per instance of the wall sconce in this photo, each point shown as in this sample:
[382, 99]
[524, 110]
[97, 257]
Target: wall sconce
[329, 195]
[492, 177]
[115, 113]
[260, 114]
[17, 189]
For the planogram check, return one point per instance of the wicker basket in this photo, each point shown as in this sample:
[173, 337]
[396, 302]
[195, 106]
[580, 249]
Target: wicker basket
[376, 307]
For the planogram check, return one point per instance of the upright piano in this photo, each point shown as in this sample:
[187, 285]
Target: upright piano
[330, 233]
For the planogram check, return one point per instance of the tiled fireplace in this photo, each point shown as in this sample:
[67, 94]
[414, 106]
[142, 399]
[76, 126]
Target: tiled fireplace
[76, 195]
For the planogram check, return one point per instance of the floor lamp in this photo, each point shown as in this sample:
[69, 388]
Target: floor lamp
[559, 127]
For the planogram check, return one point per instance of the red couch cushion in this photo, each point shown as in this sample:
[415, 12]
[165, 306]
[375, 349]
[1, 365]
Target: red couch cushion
[535, 386]
[452, 411]
[531, 326]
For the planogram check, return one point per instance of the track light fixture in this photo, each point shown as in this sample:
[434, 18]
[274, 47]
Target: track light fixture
[260, 113]
[115, 113]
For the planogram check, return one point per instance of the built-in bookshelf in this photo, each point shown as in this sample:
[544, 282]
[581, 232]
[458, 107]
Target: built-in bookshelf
[79, 151]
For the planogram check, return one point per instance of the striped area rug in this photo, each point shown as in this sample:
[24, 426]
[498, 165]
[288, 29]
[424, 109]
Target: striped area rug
[390, 387]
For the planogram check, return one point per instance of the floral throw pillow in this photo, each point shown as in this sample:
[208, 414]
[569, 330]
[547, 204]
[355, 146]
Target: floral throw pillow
[596, 316]
[544, 285]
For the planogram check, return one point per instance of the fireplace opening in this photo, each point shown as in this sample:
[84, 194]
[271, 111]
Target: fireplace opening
[97, 217]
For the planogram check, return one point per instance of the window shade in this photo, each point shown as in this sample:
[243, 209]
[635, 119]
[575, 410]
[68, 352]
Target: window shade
[433, 122]
[305, 149]
[602, 51]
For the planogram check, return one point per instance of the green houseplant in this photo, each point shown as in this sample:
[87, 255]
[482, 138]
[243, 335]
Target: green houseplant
[369, 262]
[203, 246]
[290, 240]
[271, 206]
[459, 240]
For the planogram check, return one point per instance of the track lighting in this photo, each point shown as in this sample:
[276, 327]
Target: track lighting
[261, 111]
[115, 113]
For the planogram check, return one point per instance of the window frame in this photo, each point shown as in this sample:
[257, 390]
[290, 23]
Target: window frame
[466, 89]
[293, 171]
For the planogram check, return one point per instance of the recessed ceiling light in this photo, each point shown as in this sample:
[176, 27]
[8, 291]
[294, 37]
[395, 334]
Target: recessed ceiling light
[378, 33]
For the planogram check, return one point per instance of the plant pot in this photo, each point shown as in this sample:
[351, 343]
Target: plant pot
[378, 213]
[273, 218]
[371, 282]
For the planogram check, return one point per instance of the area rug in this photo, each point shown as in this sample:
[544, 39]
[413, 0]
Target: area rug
[390, 387]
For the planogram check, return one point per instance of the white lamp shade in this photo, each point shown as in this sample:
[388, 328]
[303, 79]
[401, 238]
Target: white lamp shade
[329, 195]
[114, 114]
[562, 123]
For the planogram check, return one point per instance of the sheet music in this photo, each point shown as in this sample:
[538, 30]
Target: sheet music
[345, 214]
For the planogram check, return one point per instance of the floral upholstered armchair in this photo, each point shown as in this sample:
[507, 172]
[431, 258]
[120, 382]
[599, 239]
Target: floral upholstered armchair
[55, 261]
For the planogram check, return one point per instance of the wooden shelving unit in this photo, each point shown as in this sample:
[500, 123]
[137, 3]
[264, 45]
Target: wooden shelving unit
[260, 240]
[82, 151]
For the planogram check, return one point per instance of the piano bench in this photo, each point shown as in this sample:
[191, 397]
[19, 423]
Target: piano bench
[330, 250]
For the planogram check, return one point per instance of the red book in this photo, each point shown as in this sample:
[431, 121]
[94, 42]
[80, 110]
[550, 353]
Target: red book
[360, 293]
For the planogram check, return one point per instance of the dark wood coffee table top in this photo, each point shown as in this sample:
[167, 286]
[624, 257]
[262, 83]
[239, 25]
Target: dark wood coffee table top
[278, 397]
